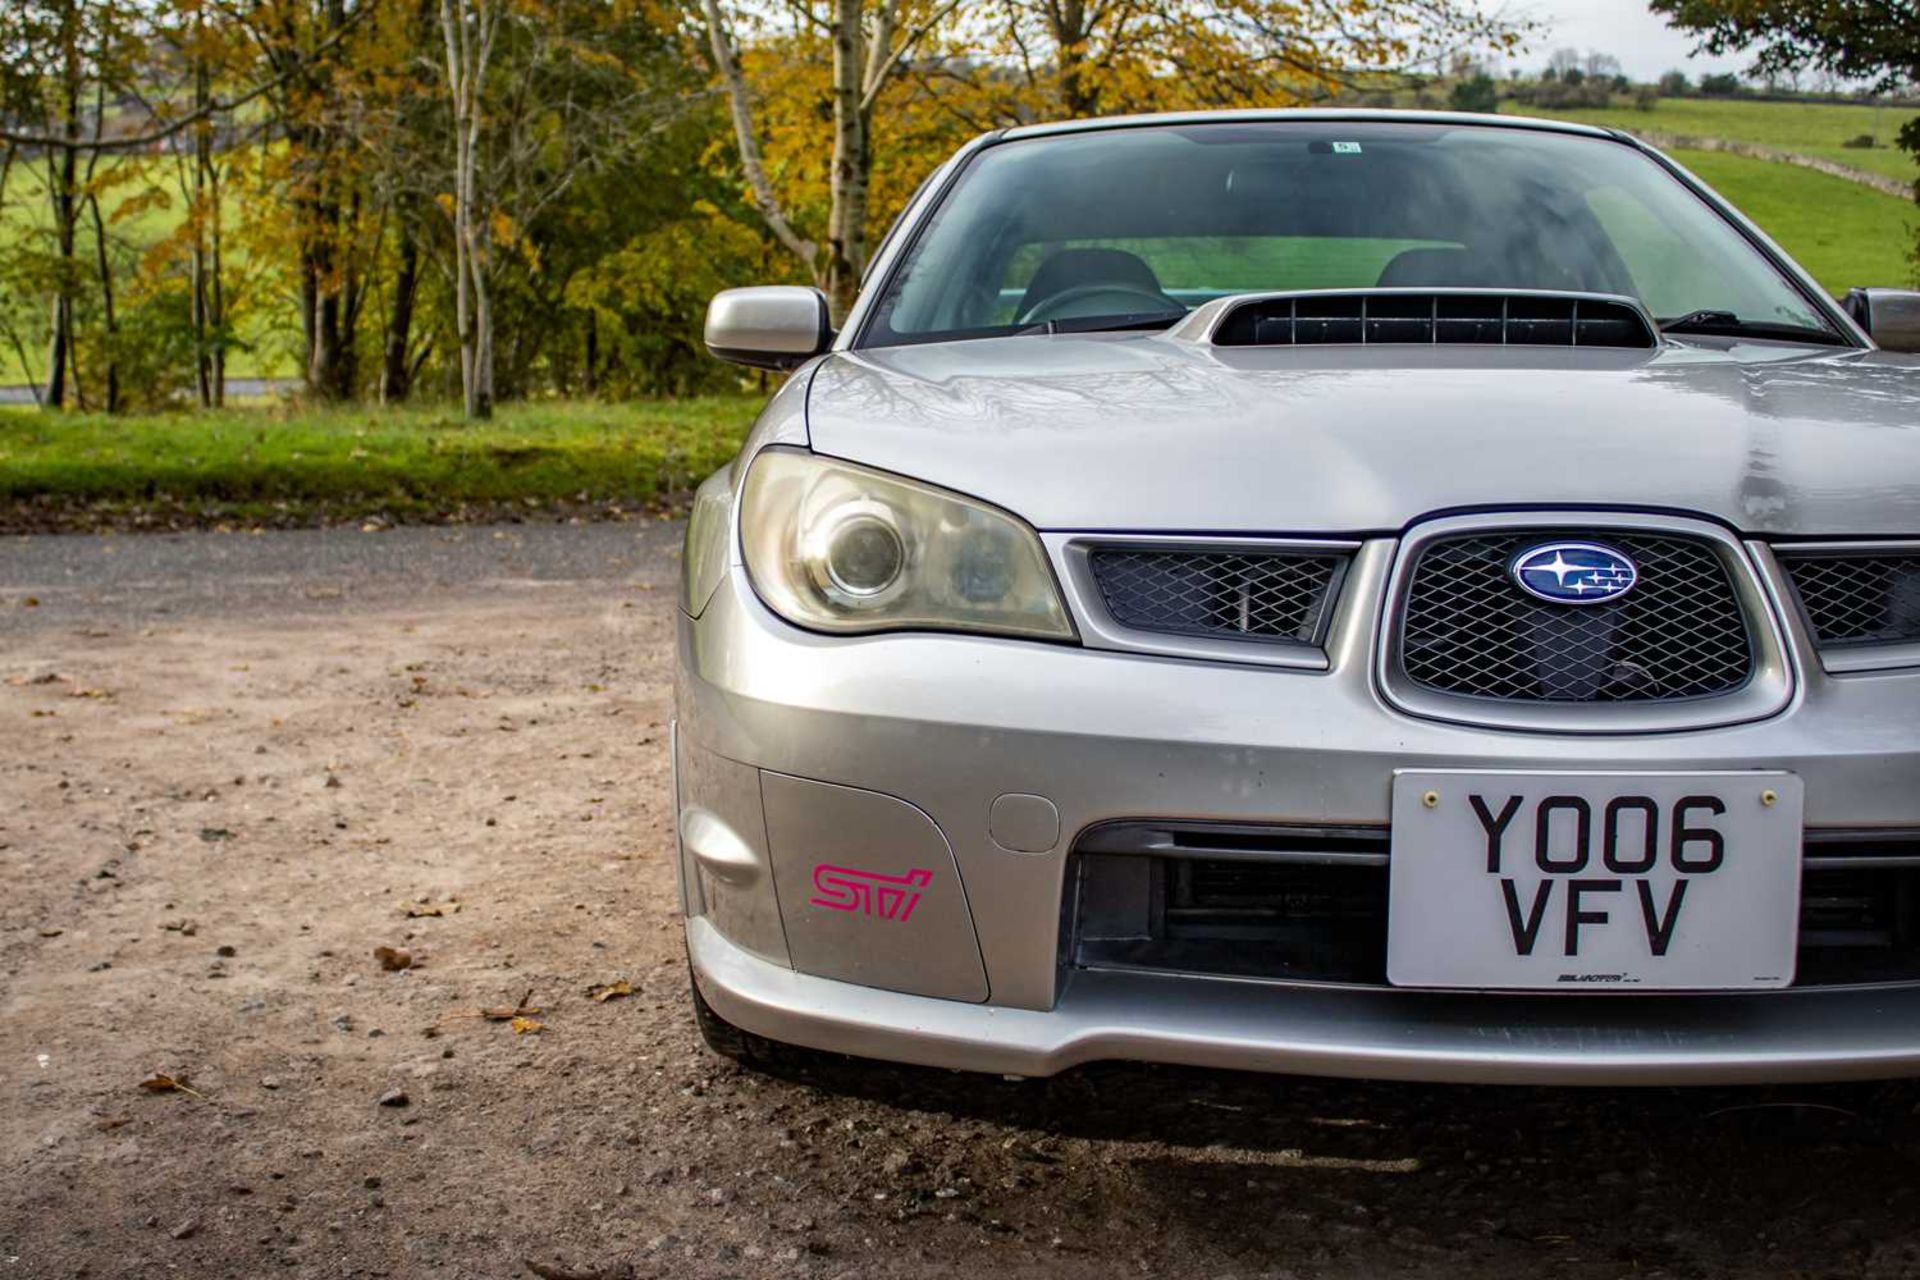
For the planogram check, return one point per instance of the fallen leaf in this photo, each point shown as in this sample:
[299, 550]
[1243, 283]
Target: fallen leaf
[83, 692]
[393, 959]
[51, 933]
[610, 991]
[528, 1027]
[521, 1010]
[169, 1084]
[614, 1271]
[107, 1124]
[424, 909]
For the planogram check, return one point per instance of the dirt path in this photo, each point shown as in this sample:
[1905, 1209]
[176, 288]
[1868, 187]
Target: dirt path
[231, 768]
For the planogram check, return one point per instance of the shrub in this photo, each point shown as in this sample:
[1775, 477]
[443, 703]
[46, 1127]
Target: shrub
[1475, 93]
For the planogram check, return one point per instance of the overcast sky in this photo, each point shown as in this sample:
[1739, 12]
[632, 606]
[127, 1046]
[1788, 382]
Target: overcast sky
[1642, 41]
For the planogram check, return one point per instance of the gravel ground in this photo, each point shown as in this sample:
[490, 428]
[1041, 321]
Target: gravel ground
[233, 766]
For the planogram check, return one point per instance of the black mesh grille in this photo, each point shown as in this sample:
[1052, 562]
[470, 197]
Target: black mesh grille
[1273, 596]
[1468, 629]
[1859, 599]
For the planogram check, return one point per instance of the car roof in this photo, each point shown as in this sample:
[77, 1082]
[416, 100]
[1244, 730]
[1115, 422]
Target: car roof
[1315, 114]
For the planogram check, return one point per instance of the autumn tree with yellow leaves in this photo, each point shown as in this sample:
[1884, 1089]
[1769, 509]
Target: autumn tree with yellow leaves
[867, 66]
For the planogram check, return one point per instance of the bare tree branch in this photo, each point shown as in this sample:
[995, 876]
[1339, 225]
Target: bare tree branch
[879, 72]
[216, 107]
[765, 199]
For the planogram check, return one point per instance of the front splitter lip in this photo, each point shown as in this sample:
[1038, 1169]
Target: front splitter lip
[1850, 1034]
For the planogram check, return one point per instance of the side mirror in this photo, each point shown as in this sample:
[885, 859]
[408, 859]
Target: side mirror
[1890, 316]
[772, 326]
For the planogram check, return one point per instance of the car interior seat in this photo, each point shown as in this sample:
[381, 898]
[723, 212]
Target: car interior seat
[1077, 268]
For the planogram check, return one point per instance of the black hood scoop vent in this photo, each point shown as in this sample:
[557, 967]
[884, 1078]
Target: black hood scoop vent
[1476, 317]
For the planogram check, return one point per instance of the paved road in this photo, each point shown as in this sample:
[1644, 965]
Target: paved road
[98, 579]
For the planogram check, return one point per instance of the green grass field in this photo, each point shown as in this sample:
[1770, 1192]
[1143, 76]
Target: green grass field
[1842, 232]
[139, 226]
[1809, 128]
[261, 464]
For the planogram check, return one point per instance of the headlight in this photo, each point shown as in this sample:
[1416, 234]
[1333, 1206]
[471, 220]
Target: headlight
[837, 547]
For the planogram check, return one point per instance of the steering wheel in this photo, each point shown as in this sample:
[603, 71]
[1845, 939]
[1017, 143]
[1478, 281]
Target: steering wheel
[1052, 306]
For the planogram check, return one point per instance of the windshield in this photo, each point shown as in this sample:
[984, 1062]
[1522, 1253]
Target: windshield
[1133, 227]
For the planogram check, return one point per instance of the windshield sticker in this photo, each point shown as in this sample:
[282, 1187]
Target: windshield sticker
[1346, 148]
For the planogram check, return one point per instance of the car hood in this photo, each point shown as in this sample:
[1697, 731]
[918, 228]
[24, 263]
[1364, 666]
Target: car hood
[1157, 432]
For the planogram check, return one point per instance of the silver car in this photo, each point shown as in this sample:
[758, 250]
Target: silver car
[1416, 596]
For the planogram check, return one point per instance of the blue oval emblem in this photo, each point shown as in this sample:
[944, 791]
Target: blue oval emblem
[1574, 572]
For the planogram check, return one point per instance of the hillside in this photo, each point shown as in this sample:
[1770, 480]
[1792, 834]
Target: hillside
[1809, 128]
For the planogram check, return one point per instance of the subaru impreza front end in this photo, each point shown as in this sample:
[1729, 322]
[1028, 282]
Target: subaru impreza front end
[1201, 610]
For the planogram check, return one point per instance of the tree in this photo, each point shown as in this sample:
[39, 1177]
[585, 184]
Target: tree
[871, 42]
[1600, 66]
[470, 27]
[1877, 41]
[1674, 84]
[888, 68]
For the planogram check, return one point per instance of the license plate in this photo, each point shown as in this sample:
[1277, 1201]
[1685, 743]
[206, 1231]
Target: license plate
[1594, 881]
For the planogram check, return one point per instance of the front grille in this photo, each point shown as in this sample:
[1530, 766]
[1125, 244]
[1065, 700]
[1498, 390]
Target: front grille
[1468, 630]
[1858, 599]
[1310, 904]
[1235, 595]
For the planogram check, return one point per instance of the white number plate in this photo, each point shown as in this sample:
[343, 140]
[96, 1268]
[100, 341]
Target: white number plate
[1594, 881]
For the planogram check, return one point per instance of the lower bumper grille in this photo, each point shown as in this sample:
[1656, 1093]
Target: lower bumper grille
[1310, 904]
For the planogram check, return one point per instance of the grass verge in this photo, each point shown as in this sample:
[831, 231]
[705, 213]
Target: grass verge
[1844, 233]
[305, 466]
[1809, 128]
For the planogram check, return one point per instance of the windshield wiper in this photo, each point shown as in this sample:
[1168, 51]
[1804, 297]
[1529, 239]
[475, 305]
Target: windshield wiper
[1727, 324]
[1102, 324]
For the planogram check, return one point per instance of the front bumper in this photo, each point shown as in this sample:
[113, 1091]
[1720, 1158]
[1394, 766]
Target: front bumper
[1374, 1034]
[937, 730]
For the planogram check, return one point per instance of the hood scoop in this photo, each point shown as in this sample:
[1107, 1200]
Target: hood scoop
[1477, 317]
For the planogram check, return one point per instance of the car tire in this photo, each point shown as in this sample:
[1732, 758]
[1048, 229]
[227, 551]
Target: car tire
[727, 1040]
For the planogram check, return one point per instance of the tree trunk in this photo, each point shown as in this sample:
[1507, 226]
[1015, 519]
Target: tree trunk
[326, 280]
[590, 375]
[103, 265]
[850, 171]
[396, 372]
[111, 326]
[63, 170]
[469, 41]
[60, 341]
[204, 257]
[766, 200]
[1070, 35]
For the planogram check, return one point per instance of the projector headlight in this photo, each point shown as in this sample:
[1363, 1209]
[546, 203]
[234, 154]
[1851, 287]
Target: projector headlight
[838, 547]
